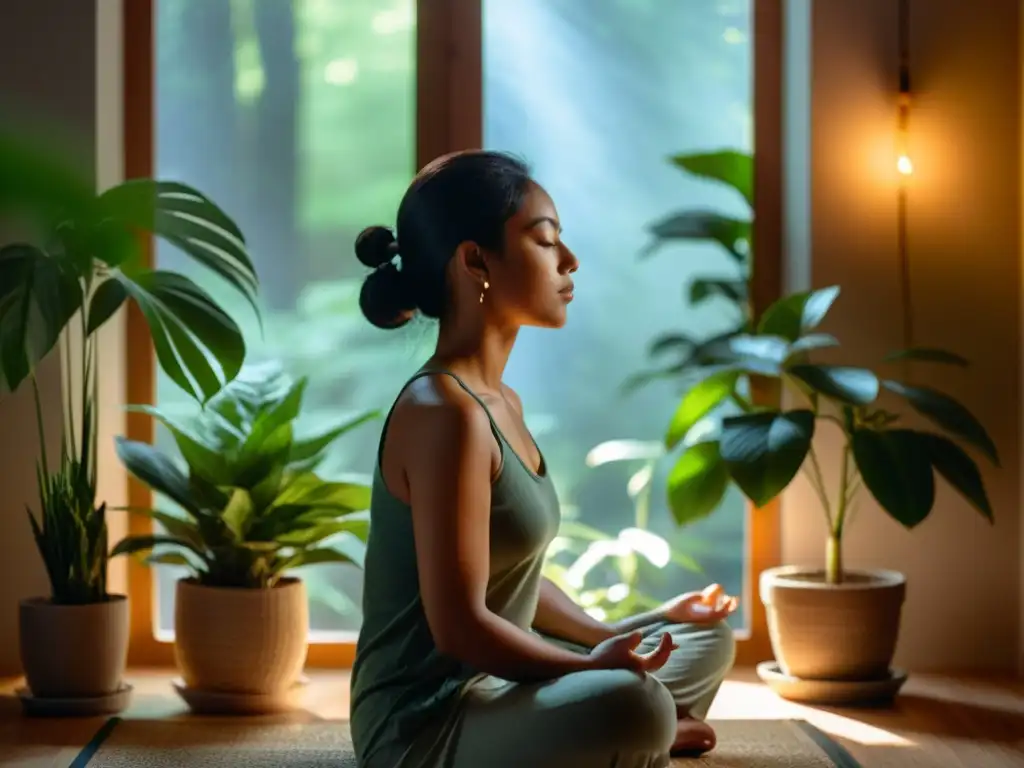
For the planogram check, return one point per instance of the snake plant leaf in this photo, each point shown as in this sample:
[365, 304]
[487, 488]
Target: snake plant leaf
[793, 316]
[188, 328]
[947, 413]
[952, 462]
[697, 483]
[896, 468]
[730, 167]
[38, 296]
[763, 451]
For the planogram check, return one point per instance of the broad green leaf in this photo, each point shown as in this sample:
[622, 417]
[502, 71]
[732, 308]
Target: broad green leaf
[355, 553]
[960, 471]
[732, 234]
[762, 355]
[697, 483]
[309, 448]
[357, 525]
[949, 414]
[35, 180]
[187, 219]
[730, 167]
[38, 296]
[175, 526]
[791, 317]
[186, 325]
[702, 289]
[896, 468]
[170, 558]
[271, 432]
[205, 457]
[855, 386]
[698, 402]
[928, 355]
[107, 299]
[624, 450]
[308, 490]
[131, 545]
[238, 514]
[799, 348]
[764, 451]
[157, 471]
[670, 342]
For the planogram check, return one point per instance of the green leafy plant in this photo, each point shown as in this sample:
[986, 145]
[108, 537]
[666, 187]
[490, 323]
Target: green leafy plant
[582, 558]
[253, 506]
[735, 170]
[79, 262]
[726, 438]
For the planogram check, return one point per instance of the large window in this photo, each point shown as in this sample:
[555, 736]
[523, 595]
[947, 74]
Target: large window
[301, 119]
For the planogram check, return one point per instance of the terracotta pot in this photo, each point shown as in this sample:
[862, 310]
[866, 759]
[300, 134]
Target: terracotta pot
[73, 651]
[822, 631]
[234, 640]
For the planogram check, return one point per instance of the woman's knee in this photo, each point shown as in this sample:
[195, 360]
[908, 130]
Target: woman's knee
[632, 712]
[722, 650]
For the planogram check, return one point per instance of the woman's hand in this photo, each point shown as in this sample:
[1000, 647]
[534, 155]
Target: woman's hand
[707, 607]
[619, 652]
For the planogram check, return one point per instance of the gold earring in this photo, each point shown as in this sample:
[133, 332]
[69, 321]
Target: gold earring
[486, 286]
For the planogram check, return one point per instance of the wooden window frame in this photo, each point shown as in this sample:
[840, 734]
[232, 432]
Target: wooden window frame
[448, 39]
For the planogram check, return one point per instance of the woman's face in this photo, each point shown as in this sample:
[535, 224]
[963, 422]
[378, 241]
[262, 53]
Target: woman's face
[531, 282]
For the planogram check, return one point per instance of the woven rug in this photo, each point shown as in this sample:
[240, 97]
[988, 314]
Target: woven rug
[218, 744]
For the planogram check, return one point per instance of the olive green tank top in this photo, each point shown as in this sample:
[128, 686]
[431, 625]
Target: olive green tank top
[402, 688]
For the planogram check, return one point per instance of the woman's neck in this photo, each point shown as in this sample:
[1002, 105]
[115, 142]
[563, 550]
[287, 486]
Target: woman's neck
[481, 353]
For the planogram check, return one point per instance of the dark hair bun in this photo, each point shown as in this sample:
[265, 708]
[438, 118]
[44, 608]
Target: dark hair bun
[376, 246]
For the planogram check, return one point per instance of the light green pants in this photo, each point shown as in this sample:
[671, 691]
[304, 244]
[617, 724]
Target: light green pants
[596, 719]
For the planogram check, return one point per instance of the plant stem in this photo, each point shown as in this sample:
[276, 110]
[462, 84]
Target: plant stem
[834, 560]
[39, 425]
[819, 483]
[834, 548]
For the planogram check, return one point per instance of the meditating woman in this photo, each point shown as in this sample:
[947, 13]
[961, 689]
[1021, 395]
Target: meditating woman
[468, 657]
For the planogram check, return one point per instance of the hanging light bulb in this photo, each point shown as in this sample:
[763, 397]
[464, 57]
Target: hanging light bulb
[904, 164]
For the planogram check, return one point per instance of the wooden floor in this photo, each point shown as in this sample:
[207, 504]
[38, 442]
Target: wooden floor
[936, 723]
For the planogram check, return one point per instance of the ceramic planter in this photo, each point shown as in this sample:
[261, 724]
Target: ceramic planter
[241, 641]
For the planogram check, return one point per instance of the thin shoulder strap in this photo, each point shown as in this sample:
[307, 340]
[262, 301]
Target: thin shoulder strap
[429, 372]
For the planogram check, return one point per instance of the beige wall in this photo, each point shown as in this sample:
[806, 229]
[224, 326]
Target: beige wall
[964, 576]
[50, 71]
[965, 599]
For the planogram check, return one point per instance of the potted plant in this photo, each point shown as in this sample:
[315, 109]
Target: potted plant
[250, 509]
[79, 265]
[830, 624]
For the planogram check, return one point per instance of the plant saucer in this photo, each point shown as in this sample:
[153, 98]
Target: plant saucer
[832, 692]
[228, 703]
[71, 706]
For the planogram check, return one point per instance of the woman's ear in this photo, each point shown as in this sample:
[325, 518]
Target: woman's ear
[470, 258]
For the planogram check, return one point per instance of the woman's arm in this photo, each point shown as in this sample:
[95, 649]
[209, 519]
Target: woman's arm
[559, 616]
[448, 467]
